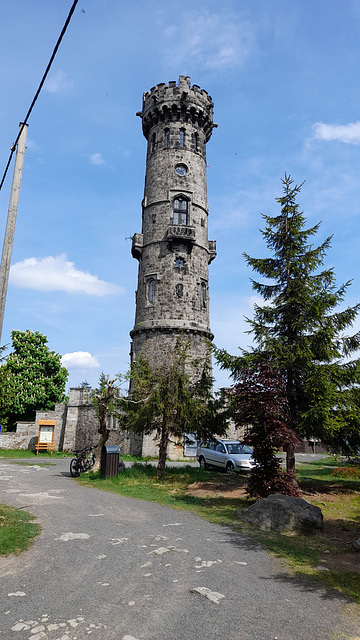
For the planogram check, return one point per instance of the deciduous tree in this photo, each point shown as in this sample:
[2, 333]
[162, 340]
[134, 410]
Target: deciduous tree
[35, 377]
[5, 395]
[164, 400]
[104, 399]
[261, 406]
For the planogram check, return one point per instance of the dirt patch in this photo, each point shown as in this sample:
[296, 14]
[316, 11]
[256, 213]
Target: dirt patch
[216, 490]
[343, 562]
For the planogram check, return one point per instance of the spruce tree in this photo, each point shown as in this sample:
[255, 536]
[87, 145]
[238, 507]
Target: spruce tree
[300, 330]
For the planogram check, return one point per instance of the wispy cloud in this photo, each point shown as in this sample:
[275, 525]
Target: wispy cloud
[58, 82]
[79, 360]
[348, 133]
[212, 40]
[58, 274]
[97, 159]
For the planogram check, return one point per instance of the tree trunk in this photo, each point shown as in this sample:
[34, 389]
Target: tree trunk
[103, 438]
[163, 445]
[104, 434]
[290, 460]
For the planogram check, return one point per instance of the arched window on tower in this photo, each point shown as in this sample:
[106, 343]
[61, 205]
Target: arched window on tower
[153, 142]
[180, 212]
[167, 138]
[182, 138]
[151, 289]
[195, 141]
[203, 295]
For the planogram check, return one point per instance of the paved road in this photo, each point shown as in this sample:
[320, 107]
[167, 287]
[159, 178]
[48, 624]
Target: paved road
[111, 568]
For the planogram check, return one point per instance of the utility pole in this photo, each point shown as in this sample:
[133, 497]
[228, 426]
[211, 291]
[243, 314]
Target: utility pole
[11, 221]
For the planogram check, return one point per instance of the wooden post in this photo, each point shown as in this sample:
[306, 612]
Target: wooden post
[11, 221]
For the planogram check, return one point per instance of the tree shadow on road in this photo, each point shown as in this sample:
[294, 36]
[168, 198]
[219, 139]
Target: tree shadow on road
[300, 564]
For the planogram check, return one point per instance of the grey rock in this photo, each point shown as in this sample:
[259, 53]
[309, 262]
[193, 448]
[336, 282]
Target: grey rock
[279, 512]
[356, 545]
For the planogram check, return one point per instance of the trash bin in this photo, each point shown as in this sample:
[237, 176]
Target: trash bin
[109, 460]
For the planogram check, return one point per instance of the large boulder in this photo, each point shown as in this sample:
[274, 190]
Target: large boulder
[356, 545]
[279, 512]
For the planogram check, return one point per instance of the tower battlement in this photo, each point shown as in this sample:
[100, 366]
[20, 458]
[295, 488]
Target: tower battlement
[177, 102]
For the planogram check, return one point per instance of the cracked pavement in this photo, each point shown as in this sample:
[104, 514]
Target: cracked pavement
[109, 567]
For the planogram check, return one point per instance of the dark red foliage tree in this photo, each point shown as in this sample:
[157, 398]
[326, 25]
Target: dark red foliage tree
[261, 405]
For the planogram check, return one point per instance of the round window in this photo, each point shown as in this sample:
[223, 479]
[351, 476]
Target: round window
[181, 169]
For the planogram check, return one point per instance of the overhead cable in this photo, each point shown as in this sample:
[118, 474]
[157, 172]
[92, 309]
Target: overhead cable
[24, 122]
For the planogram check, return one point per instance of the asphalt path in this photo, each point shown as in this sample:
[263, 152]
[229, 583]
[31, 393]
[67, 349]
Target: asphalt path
[113, 568]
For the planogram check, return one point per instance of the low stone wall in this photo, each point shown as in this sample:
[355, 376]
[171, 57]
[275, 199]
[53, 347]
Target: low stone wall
[25, 437]
[77, 426]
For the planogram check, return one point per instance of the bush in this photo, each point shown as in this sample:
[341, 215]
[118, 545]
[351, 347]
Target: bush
[350, 473]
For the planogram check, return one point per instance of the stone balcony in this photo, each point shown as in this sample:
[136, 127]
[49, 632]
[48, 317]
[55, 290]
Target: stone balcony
[181, 232]
[137, 245]
[212, 250]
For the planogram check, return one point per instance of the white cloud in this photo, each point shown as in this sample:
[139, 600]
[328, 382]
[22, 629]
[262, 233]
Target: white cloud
[58, 274]
[79, 360]
[348, 133]
[212, 40]
[97, 159]
[58, 82]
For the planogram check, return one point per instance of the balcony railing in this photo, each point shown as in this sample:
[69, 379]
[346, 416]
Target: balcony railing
[181, 232]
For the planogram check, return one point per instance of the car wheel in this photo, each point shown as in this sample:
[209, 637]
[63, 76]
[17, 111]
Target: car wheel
[202, 463]
[230, 469]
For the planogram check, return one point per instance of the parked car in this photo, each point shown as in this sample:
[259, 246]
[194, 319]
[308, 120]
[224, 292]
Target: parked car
[230, 455]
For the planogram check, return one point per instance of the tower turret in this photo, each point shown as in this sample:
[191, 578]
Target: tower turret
[173, 249]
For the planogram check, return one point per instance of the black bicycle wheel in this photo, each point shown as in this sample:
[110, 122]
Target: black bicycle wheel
[74, 468]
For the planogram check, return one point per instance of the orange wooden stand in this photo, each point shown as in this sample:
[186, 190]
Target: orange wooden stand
[46, 436]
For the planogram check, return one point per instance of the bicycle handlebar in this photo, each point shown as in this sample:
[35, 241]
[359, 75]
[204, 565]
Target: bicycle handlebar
[78, 452]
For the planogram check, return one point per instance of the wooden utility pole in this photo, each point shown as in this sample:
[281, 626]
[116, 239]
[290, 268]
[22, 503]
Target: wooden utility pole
[11, 221]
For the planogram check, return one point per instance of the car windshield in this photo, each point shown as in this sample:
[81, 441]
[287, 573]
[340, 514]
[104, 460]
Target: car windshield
[236, 447]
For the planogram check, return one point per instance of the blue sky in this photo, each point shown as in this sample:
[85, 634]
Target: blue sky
[285, 80]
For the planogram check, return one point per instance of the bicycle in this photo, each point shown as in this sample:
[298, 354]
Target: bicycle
[84, 461]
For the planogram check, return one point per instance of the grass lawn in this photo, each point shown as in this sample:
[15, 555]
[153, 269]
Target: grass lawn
[327, 483]
[17, 530]
[26, 453]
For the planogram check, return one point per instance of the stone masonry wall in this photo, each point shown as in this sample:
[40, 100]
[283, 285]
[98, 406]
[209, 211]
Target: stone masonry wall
[77, 427]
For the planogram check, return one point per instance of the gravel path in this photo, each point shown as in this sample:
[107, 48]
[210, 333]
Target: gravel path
[112, 568]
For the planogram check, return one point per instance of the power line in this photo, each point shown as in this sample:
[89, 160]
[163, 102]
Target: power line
[24, 122]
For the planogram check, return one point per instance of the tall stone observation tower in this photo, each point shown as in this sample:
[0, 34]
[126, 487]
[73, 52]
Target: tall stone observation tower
[173, 250]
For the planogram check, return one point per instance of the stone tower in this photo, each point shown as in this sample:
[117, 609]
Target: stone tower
[173, 249]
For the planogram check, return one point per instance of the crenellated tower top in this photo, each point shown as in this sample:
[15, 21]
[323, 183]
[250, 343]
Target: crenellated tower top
[177, 102]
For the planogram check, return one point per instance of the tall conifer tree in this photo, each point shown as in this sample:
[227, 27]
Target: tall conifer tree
[299, 330]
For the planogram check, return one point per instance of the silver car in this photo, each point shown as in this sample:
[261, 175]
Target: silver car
[230, 455]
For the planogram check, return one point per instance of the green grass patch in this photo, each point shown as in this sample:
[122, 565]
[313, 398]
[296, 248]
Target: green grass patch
[348, 473]
[17, 530]
[27, 453]
[136, 458]
[327, 476]
[140, 482]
